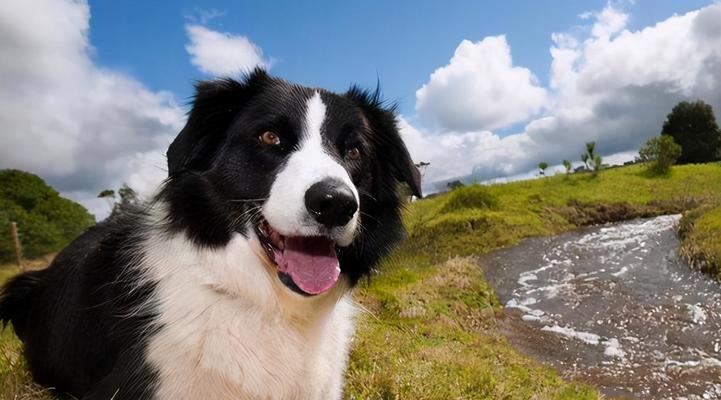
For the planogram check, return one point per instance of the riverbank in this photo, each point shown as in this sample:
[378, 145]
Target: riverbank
[700, 230]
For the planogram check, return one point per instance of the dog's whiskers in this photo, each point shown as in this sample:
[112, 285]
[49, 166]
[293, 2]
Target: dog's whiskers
[365, 192]
[247, 200]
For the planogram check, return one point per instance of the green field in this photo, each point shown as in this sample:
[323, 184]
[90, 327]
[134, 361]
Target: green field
[431, 327]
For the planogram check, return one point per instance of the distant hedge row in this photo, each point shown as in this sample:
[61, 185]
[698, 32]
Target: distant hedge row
[46, 222]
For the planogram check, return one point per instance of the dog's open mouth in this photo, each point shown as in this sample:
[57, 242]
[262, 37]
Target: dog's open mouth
[306, 264]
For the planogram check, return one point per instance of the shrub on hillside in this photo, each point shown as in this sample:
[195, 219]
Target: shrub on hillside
[471, 196]
[662, 152]
[46, 222]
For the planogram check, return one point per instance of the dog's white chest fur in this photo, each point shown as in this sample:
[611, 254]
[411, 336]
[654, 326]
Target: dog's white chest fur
[227, 330]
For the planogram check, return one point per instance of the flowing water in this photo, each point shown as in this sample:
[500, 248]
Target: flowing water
[613, 306]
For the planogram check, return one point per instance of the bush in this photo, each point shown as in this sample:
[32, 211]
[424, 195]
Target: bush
[693, 126]
[472, 196]
[46, 222]
[662, 151]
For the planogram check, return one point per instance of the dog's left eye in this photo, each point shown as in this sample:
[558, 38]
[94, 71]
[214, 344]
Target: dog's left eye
[353, 153]
[270, 138]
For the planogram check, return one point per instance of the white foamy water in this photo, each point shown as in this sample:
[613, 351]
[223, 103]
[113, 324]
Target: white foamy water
[629, 316]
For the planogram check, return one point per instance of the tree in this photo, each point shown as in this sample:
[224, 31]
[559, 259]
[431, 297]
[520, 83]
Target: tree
[584, 159]
[662, 151]
[127, 197]
[590, 150]
[589, 156]
[542, 166]
[693, 126]
[567, 165]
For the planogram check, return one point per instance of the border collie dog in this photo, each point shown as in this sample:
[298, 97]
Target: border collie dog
[234, 281]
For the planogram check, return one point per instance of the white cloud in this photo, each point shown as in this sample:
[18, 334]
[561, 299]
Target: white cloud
[608, 21]
[452, 155]
[480, 89]
[221, 53]
[609, 85]
[81, 127]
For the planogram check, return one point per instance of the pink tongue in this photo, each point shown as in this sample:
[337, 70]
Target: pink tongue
[311, 262]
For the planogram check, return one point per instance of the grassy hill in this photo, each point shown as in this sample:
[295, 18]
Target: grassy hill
[46, 222]
[431, 327]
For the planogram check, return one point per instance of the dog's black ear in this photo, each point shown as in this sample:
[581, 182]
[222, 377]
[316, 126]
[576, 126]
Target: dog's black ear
[387, 138]
[215, 105]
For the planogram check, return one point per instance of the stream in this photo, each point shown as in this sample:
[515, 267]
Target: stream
[613, 306]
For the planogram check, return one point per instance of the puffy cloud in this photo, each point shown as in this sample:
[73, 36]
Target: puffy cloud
[480, 89]
[609, 85]
[477, 154]
[222, 54]
[81, 127]
[608, 21]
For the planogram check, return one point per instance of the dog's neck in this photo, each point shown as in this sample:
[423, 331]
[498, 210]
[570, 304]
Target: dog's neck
[238, 271]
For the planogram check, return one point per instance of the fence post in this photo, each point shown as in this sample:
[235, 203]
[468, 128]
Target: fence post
[16, 243]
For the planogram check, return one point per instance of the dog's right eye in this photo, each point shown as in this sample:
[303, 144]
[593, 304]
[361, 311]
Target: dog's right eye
[270, 138]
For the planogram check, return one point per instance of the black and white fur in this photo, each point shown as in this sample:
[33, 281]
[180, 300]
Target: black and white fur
[177, 300]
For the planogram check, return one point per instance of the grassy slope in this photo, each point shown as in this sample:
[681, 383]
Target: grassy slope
[701, 233]
[431, 327]
[431, 330]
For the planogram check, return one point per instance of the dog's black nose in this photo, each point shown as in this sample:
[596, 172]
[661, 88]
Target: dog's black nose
[331, 202]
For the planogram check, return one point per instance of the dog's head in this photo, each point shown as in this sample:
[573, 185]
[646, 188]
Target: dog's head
[311, 175]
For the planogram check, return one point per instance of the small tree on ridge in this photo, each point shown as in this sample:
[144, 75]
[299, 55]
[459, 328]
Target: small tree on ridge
[567, 165]
[543, 166]
[662, 151]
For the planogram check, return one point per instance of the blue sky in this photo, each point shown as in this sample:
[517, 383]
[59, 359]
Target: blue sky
[334, 43]
[93, 93]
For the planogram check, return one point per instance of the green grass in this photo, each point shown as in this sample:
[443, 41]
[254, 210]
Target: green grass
[701, 233]
[448, 225]
[430, 327]
[15, 380]
[432, 334]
